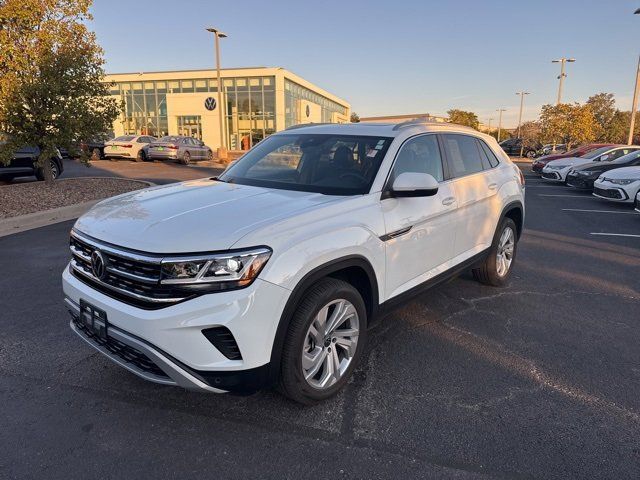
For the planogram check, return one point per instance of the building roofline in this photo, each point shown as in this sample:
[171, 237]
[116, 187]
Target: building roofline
[191, 70]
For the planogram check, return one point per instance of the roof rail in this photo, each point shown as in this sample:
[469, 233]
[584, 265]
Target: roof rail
[429, 121]
[302, 125]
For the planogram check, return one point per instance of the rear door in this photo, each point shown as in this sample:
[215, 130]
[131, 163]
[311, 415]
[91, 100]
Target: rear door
[475, 187]
[419, 232]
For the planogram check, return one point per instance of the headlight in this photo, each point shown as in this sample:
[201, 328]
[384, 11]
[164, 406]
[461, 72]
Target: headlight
[215, 272]
[622, 181]
[556, 167]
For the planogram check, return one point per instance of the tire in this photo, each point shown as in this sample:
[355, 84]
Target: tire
[186, 158]
[96, 154]
[210, 155]
[335, 295]
[530, 154]
[55, 171]
[141, 156]
[488, 272]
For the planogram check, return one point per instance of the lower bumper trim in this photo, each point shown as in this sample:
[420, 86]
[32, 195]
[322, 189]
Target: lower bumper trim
[238, 381]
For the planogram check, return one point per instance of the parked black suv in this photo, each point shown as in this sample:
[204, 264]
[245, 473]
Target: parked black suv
[23, 165]
[513, 146]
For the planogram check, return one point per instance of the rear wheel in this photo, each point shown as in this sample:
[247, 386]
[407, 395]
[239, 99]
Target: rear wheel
[325, 342]
[95, 154]
[186, 158]
[210, 155]
[496, 267]
[55, 171]
[141, 157]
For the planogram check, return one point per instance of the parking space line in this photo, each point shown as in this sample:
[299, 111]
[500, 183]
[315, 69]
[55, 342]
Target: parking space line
[616, 234]
[597, 211]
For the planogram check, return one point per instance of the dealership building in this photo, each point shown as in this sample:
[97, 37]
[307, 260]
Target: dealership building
[255, 103]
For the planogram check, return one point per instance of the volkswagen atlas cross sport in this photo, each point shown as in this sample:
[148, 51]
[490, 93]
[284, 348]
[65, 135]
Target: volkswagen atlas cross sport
[272, 272]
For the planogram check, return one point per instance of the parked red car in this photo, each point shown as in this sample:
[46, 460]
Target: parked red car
[539, 163]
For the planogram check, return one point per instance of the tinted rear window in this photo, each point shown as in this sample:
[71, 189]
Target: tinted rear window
[124, 138]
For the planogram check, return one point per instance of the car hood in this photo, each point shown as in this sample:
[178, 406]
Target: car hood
[189, 217]
[624, 172]
[567, 162]
[548, 158]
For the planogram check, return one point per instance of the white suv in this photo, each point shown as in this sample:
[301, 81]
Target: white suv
[272, 272]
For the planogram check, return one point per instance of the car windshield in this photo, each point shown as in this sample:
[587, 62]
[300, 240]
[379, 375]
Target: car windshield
[169, 139]
[327, 163]
[629, 157]
[596, 153]
[124, 138]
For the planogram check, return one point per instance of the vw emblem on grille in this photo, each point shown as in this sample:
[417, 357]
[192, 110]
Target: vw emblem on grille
[98, 267]
[210, 103]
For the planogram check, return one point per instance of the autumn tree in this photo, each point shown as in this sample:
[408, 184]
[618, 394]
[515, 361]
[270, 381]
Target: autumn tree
[355, 118]
[603, 106]
[51, 71]
[572, 124]
[462, 117]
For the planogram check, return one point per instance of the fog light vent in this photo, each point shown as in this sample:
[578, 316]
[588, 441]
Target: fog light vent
[223, 340]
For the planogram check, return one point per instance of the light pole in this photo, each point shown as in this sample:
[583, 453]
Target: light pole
[634, 106]
[222, 152]
[522, 94]
[500, 110]
[562, 61]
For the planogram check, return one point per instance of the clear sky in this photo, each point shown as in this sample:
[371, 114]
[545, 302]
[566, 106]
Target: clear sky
[393, 57]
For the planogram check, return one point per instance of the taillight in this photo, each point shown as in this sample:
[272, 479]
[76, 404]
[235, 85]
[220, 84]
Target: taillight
[521, 177]
[127, 146]
[172, 147]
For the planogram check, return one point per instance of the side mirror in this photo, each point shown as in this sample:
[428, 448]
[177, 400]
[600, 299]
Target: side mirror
[411, 184]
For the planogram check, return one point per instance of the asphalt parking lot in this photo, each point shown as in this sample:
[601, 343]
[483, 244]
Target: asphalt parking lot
[540, 379]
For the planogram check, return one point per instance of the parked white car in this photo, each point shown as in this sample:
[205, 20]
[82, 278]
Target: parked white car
[128, 146]
[557, 170]
[619, 185]
[273, 272]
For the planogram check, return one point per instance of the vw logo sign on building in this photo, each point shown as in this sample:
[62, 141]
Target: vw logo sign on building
[210, 103]
[98, 267]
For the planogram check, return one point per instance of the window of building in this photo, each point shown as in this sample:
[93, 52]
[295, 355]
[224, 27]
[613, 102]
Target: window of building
[201, 86]
[186, 86]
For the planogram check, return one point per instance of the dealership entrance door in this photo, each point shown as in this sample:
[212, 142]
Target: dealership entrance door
[190, 126]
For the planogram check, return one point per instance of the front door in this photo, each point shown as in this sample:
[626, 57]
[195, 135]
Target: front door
[420, 232]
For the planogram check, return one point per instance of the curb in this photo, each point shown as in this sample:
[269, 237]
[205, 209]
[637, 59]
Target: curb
[21, 223]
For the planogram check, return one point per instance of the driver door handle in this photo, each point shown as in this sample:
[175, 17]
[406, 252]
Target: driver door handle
[448, 201]
[493, 186]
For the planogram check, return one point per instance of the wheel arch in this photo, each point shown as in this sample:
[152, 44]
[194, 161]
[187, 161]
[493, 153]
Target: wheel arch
[354, 269]
[515, 211]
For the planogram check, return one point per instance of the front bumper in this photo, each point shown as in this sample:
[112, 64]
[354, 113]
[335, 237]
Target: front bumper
[537, 167]
[577, 181]
[554, 176]
[611, 193]
[173, 348]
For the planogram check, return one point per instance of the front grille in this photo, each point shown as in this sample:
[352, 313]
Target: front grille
[129, 276]
[602, 192]
[123, 351]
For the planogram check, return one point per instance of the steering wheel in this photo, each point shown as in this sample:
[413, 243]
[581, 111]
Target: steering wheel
[356, 175]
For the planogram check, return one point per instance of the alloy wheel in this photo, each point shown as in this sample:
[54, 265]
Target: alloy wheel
[54, 170]
[330, 344]
[504, 255]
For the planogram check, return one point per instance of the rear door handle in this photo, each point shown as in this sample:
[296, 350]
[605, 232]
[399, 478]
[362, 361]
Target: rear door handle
[448, 201]
[493, 186]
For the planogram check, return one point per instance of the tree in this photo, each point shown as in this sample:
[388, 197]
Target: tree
[572, 124]
[462, 117]
[603, 106]
[51, 93]
[531, 133]
[355, 118]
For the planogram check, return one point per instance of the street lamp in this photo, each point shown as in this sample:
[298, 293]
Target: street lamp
[218, 35]
[500, 110]
[634, 106]
[522, 94]
[562, 61]
[489, 126]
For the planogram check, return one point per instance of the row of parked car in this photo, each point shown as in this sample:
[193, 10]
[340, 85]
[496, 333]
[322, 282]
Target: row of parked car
[609, 171]
[145, 147]
[522, 147]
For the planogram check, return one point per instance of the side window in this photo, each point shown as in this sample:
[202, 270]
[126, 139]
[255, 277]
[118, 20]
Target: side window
[491, 157]
[463, 155]
[419, 155]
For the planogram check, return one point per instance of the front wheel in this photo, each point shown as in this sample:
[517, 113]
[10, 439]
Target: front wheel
[530, 154]
[325, 342]
[55, 171]
[496, 267]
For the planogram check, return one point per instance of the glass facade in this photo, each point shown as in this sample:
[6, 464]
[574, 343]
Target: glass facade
[296, 96]
[251, 110]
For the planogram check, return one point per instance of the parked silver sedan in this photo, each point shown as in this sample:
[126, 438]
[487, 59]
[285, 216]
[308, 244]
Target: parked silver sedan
[182, 149]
